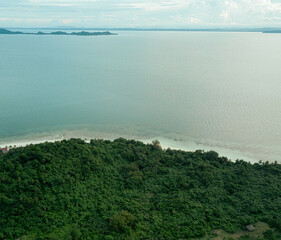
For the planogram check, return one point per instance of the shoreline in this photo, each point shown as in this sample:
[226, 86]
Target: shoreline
[165, 143]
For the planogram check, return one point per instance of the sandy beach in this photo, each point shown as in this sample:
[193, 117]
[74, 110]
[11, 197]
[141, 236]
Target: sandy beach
[178, 144]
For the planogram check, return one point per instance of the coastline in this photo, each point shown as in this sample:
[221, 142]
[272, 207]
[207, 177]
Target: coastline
[165, 142]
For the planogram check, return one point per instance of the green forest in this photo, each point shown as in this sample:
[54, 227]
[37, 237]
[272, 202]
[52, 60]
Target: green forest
[125, 189]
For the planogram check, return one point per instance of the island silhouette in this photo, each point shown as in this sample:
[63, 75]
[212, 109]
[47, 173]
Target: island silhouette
[82, 33]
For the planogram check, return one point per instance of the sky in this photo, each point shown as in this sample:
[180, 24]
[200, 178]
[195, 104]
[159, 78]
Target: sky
[140, 14]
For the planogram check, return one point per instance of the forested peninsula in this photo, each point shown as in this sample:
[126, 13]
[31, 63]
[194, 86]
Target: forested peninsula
[125, 189]
[82, 33]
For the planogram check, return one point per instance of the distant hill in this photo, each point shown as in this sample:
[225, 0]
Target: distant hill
[272, 31]
[5, 31]
[83, 33]
[125, 189]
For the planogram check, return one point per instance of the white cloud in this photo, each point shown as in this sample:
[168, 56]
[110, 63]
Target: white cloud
[67, 21]
[10, 19]
[156, 6]
[38, 20]
[273, 19]
[186, 20]
[224, 14]
[58, 3]
[142, 13]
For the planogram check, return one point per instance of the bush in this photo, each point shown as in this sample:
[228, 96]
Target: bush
[75, 234]
[122, 222]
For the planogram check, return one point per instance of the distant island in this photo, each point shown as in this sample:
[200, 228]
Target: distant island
[82, 33]
[106, 31]
[272, 31]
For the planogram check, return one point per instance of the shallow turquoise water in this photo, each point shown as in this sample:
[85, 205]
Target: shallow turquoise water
[221, 90]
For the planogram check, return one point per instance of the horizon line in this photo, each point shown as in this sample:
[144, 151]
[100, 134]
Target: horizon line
[225, 29]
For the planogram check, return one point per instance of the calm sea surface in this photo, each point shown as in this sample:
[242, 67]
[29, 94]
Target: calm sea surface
[191, 90]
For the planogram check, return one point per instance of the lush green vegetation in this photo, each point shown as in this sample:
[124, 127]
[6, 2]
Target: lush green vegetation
[129, 190]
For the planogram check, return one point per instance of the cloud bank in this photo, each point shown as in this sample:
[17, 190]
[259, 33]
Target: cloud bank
[136, 13]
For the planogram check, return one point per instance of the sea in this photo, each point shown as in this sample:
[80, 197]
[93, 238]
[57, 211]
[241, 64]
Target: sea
[216, 91]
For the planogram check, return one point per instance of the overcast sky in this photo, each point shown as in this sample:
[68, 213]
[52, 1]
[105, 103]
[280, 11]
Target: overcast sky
[137, 13]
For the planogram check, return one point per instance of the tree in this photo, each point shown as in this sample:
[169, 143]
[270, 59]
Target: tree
[156, 144]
